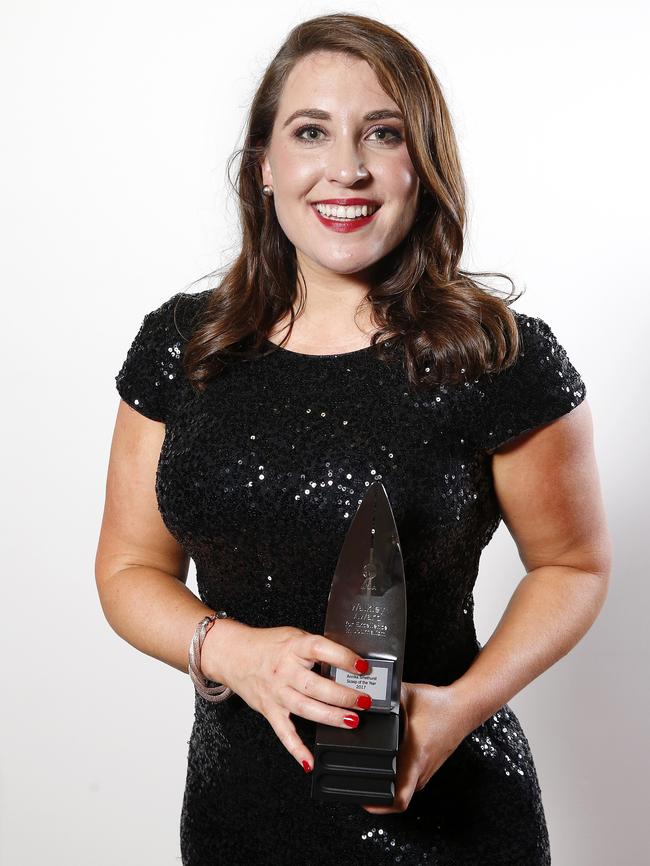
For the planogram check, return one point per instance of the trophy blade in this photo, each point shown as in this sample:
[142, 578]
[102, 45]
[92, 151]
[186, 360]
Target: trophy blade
[366, 609]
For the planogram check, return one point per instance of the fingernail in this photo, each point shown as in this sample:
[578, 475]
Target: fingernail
[361, 665]
[364, 701]
[306, 767]
[351, 721]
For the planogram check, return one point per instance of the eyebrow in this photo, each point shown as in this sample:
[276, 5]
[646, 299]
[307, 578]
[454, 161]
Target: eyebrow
[319, 114]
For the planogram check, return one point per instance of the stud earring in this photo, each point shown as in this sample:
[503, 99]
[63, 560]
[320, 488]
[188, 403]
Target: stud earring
[267, 190]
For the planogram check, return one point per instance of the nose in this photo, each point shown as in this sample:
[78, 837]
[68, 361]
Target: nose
[344, 164]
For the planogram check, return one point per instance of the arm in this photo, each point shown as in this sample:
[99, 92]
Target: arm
[548, 490]
[140, 569]
[140, 572]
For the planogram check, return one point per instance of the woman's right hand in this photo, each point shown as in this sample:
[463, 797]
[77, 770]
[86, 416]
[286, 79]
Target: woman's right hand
[271, 669]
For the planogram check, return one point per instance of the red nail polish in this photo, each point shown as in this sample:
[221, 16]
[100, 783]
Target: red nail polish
[364, 701]
[306, 767]
[351, 721]
[362, 666]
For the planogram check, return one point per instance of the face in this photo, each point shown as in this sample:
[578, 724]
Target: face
[340, 154]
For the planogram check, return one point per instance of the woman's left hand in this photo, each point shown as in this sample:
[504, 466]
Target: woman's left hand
[433, 729]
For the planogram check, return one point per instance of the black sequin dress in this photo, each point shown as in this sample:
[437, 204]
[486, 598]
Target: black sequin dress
[258, 479]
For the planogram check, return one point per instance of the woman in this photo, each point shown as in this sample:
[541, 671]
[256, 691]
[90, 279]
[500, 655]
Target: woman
[345, 345]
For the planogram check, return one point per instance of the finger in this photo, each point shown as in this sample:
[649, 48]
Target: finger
[407, 780]
[309, 708]
[288, 736]
[323, 649]
[330, 692]
[400, 803]
[403, 794]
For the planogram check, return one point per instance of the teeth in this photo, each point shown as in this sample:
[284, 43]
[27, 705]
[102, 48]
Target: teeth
[341, 212]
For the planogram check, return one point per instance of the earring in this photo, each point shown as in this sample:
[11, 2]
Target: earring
[267, 190]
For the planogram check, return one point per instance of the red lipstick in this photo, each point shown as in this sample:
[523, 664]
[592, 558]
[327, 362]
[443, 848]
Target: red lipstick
[347, 201]
[346, 225]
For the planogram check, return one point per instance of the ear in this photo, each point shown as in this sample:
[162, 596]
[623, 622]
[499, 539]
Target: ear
[267, 174]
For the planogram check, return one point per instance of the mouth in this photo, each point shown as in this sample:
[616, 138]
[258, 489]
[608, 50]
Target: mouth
[345, 218]
[346, 212]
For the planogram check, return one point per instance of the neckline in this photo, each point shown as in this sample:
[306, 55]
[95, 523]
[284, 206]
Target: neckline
[307, 355]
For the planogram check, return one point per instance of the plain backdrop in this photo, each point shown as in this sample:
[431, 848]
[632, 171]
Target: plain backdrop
[117, 123]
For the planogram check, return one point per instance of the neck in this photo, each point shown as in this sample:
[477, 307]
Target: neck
[335, 306]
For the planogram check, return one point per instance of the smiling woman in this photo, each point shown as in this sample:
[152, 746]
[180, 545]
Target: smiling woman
[249, 450]
[350, 114]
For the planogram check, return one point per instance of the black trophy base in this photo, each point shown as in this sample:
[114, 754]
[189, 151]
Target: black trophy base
[358, 765]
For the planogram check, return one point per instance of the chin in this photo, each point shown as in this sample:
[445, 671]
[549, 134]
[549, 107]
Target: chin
[345, 269]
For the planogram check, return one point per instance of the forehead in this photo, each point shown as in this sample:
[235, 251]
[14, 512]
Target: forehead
[334, 82]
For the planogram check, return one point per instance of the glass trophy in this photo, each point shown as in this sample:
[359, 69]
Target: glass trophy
[366, 612]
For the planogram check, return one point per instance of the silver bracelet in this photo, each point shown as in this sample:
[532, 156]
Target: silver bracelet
[217, 693]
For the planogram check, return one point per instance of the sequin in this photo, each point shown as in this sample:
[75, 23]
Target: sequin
[258, 479]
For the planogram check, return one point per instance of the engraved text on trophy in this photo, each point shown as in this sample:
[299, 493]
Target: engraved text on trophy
[367, 613]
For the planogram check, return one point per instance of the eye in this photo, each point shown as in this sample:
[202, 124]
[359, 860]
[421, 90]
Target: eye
[383, 129]
[298, 133]
[391, 130]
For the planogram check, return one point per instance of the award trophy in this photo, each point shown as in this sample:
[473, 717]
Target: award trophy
[366, 612]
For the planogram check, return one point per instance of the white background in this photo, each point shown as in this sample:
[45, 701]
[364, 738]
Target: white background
[117, 123]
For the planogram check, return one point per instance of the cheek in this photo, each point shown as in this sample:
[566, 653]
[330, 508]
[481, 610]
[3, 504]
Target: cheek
[405, 187]
[398, 177]
[294, 170]
[406, 181]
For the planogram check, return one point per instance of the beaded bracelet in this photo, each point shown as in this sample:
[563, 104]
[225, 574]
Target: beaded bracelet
[217, 693]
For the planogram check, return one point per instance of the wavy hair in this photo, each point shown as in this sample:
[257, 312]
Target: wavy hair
[446, 320]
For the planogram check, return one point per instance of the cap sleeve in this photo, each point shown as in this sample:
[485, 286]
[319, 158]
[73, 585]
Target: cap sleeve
[539, 387]
[149, 376]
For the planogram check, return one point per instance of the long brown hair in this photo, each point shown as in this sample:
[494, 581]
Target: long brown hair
[443, 317]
